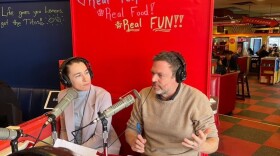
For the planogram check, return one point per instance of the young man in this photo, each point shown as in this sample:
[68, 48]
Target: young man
[171, 118]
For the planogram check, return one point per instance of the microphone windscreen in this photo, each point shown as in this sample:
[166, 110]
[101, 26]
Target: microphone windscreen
[7, 134]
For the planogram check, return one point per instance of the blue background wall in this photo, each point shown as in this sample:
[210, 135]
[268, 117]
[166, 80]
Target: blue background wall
[34, 35]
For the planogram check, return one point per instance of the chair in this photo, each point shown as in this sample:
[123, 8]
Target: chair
[10, 114]
[242, 79]
[10, 111]
[224, 87]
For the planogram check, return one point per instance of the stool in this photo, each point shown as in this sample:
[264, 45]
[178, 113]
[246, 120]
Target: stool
[242, 77]
[242, 80]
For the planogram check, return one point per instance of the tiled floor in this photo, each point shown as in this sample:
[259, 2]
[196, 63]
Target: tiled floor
[254, 127]
[264, 104]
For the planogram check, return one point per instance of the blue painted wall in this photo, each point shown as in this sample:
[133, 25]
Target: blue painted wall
[34, 35]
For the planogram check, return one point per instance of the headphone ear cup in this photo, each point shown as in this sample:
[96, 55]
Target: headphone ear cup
[65, 80]
[179, 75]
[183, 74]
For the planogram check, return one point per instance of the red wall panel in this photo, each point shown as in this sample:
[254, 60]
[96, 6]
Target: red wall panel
[120, 38]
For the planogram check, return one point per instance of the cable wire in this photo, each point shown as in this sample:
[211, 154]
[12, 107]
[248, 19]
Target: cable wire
[38, 138]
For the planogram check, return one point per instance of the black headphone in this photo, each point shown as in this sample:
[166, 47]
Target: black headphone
[181, 73]
[64, 79]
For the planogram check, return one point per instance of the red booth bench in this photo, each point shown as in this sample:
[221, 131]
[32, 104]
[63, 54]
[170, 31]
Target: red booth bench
[224, 87]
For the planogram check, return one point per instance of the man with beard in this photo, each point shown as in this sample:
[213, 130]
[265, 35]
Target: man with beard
[171, 118]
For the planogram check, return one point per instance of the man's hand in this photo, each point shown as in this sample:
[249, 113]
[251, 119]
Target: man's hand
[197, 143]
[138, 145]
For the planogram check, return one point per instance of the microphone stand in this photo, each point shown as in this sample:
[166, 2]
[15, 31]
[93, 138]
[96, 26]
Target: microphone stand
[14, 142]
[105, 134]
[53, 126]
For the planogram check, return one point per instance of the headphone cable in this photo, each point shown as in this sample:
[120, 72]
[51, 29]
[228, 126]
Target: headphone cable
[28, 135]
[38, 138]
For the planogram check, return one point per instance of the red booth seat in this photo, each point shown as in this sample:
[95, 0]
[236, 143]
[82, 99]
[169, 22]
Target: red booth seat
[224, 87]
[31, 128]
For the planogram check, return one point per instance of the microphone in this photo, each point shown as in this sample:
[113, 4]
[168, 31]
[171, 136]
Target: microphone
[112, 110]
[9, 134]
[137, 95]
[59, 108]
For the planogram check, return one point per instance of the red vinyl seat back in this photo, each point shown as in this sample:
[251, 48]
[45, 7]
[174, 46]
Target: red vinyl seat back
[243, 64]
